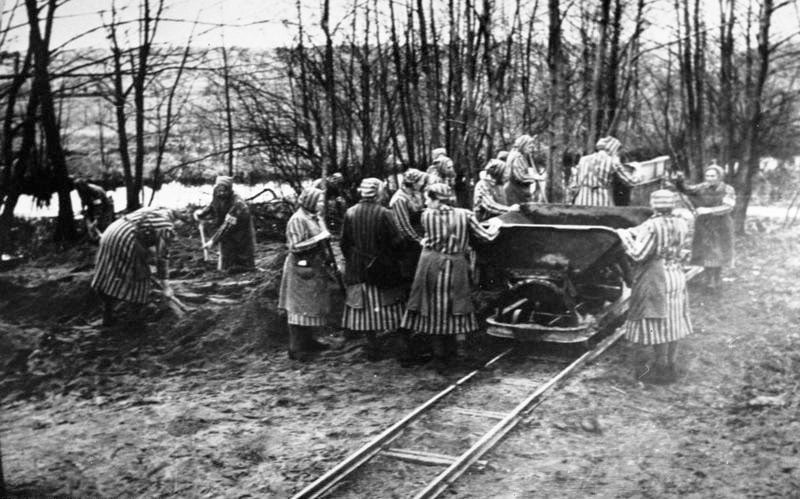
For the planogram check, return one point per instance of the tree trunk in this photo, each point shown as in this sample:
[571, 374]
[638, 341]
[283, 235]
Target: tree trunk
[228, 114]
[597, 76]
[726, 103]
[555, 62]
[752, 143]
[65, 227]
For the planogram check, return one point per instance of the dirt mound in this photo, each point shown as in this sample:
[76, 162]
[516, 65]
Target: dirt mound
[52, 339]
[57, 301]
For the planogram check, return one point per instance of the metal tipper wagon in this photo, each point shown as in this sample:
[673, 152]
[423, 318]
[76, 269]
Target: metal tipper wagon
[557, 271]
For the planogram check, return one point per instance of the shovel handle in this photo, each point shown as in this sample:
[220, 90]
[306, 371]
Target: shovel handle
[203, 240]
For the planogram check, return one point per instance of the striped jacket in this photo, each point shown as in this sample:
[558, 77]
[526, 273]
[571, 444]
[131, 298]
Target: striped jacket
[404, 209]
[122, 268]
[591, 180]
[367, 231]
[447, 230]
[489, 199]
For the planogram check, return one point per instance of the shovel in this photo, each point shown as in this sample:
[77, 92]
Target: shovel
[175, 304]
[203, 241]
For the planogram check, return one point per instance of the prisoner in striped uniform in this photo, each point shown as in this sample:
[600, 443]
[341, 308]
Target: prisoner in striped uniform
[523, 177]
[490, 199]
[407, 204]
[127, 249]
[235, 232]
[592, 180]
[305, 282]
[659, 310]
[375, 296]
[440, 304]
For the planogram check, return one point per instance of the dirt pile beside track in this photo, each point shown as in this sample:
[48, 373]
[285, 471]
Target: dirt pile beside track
[52, 339]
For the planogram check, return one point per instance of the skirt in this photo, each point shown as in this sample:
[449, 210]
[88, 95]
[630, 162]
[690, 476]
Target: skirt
[676, 324]
[369, 308]
[440, 320]
[304, 291]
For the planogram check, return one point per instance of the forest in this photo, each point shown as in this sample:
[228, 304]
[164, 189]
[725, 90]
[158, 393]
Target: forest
[371, 87]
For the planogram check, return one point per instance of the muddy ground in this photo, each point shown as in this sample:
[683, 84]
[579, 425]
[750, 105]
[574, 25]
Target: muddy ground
[209, 405]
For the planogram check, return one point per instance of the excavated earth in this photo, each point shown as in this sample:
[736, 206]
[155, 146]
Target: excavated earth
[209, 405]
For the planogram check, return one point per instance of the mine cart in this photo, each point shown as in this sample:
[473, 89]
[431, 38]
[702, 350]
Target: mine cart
[556, 270]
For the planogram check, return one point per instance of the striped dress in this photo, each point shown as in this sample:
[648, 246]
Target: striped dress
[367, 231]
[489, 199]
[592, 179]
[440, 301]
[304, 290]
[122, 268]
[656, 245]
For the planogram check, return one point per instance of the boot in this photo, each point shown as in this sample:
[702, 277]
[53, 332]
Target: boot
[438, 362]
[672, 360]
[641, 365]
[298, 340]
[660, 371]
[412, 351]
[450, 344]
[371, 349]
[314, 345]
[713, 278]
[718, 279]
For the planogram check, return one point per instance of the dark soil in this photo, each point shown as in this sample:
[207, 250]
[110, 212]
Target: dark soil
[208, 404]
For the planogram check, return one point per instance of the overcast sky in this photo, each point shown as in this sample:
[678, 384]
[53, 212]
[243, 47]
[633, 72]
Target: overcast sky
[271, 23]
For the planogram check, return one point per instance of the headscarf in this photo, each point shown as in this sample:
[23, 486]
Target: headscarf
[494, 168]
[502, 155]
[716, 168]
[442, 192]
[412, 176]
[613, 145]
[370, 188]
[309, 199]
[602, 144]
[522, 142]
[444, 167]
[224, 180]
[439, 151]
[662, 199]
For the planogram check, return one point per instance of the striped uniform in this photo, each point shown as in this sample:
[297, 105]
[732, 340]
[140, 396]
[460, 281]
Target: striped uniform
[489, 199]
[660, 238]
[403, 204]
[122, 268]
[446, 239]
[373, 312]
[591, 180]
[304, 297]
[367, 231]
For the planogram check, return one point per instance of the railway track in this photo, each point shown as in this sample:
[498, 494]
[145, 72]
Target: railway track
[414, 449]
